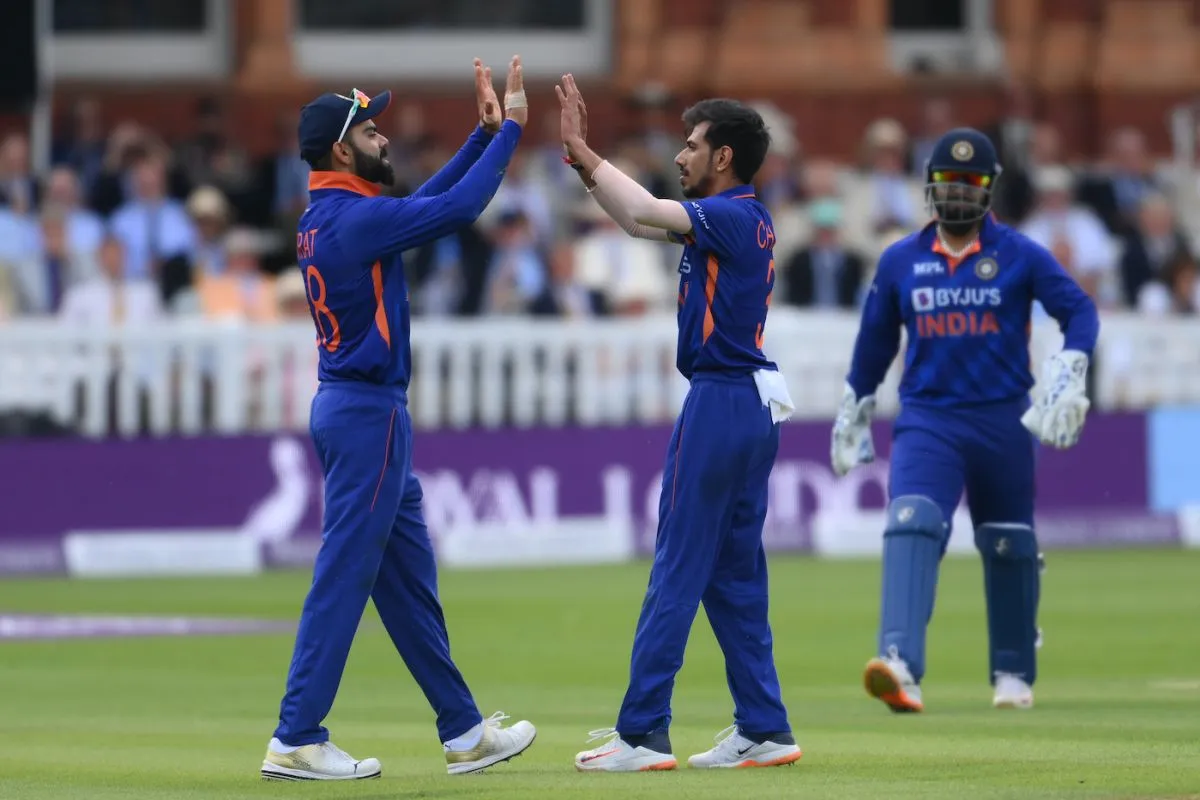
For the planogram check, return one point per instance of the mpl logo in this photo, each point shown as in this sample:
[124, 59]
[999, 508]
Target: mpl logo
[929, 268]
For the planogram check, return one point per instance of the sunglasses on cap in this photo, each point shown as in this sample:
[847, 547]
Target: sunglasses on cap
[357, 100]
[970, 178]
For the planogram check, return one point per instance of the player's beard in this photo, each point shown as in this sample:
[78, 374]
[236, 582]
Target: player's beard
[956, 228]
[373, 168]
[701, 186]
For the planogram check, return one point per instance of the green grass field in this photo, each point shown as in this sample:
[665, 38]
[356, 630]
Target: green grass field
[1118, 703]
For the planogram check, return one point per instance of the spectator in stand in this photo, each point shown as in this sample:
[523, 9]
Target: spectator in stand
[18, 187]
[1073, 233]
[1015, 195]
[517, 273]
[1175, 291]
[883, 195]
[112, 297]
[1115, 190]
[158, 236]
[624, 275]
[1150, 247]
[84, 227]
[210, 214]
[241, 291]
[825, 274]
[937, 117]
[564, 296]
[80, 145]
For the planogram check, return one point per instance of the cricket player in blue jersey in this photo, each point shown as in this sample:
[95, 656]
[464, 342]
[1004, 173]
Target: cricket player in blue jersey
[374, 541]
[962, 289]
[714, 493]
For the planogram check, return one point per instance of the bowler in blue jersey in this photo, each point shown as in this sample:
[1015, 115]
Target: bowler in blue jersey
[713, 502]
[374, 543]
[962, 290]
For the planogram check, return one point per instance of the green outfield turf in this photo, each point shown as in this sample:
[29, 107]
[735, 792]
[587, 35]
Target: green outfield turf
[1118, 704]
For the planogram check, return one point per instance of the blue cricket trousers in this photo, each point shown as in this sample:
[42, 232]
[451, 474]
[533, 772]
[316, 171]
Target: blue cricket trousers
[986, 451]
[374, 544]
[709, 549]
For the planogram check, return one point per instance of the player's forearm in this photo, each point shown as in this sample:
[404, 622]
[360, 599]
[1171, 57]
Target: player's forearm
[1081, 327]
[643, 207]
[470, 196]
[874, 353]
[618, 215]
[626, 193]
[456, 167]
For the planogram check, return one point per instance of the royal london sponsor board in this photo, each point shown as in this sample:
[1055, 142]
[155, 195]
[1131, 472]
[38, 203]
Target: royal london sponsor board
[586, 482]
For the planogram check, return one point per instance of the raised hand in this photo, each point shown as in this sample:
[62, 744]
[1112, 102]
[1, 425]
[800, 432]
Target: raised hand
[573, 119]
[515, 104]
[485, 99]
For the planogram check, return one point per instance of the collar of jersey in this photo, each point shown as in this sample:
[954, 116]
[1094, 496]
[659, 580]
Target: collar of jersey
[987, 233]
[342, 181]
[738, 192]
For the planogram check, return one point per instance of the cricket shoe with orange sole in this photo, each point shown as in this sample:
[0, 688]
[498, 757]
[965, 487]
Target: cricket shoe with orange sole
[887, 678]
[735, 751]
[618, 755]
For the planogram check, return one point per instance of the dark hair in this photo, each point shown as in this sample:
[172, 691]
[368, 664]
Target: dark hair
[734, 125]
[322, 163]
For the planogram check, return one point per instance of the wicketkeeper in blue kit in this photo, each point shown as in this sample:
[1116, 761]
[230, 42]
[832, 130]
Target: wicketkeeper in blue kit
[962, 289]
[374, 543]
[714, 494]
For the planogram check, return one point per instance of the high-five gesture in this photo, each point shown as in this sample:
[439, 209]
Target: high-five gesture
[515, 103]
[573, 120]
[485, 99]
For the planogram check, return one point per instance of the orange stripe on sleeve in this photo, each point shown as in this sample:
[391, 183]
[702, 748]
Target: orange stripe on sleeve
[710, 291]
[381, 320]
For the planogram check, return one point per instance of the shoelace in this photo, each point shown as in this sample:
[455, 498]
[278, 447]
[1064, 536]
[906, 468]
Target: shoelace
[602, 733]
[333, 748]
[726, 739]
[495, 719]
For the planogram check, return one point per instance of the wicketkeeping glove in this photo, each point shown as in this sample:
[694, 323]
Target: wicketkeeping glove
[851, 443]
[1057, 417]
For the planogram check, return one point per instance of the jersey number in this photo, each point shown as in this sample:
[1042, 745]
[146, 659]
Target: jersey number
[758, 334]
[332, 338]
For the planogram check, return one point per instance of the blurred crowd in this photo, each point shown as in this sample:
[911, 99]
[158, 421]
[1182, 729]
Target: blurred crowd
[127, 227]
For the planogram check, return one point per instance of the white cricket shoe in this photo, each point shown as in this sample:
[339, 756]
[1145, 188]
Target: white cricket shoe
[617, 755]
[1012, 692]
[889, 679]
[315, 762]
[495, 745]
[734, 750]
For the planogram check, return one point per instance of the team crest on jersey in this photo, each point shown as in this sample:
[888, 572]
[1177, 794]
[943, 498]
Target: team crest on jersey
[986, 269]
[962, 151]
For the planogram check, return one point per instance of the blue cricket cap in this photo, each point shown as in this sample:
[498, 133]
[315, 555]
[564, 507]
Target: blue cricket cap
[324, 121]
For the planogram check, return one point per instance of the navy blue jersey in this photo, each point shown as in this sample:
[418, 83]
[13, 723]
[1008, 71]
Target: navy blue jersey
[967, 320]
[726, 276]
[348, 247]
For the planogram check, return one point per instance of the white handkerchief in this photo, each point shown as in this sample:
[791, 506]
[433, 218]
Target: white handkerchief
[773, 391]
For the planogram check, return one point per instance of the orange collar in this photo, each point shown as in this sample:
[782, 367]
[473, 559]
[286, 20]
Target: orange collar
[954, 261]
[344, 181]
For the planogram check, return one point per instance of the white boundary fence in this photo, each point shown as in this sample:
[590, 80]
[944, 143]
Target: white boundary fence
[193, 377]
